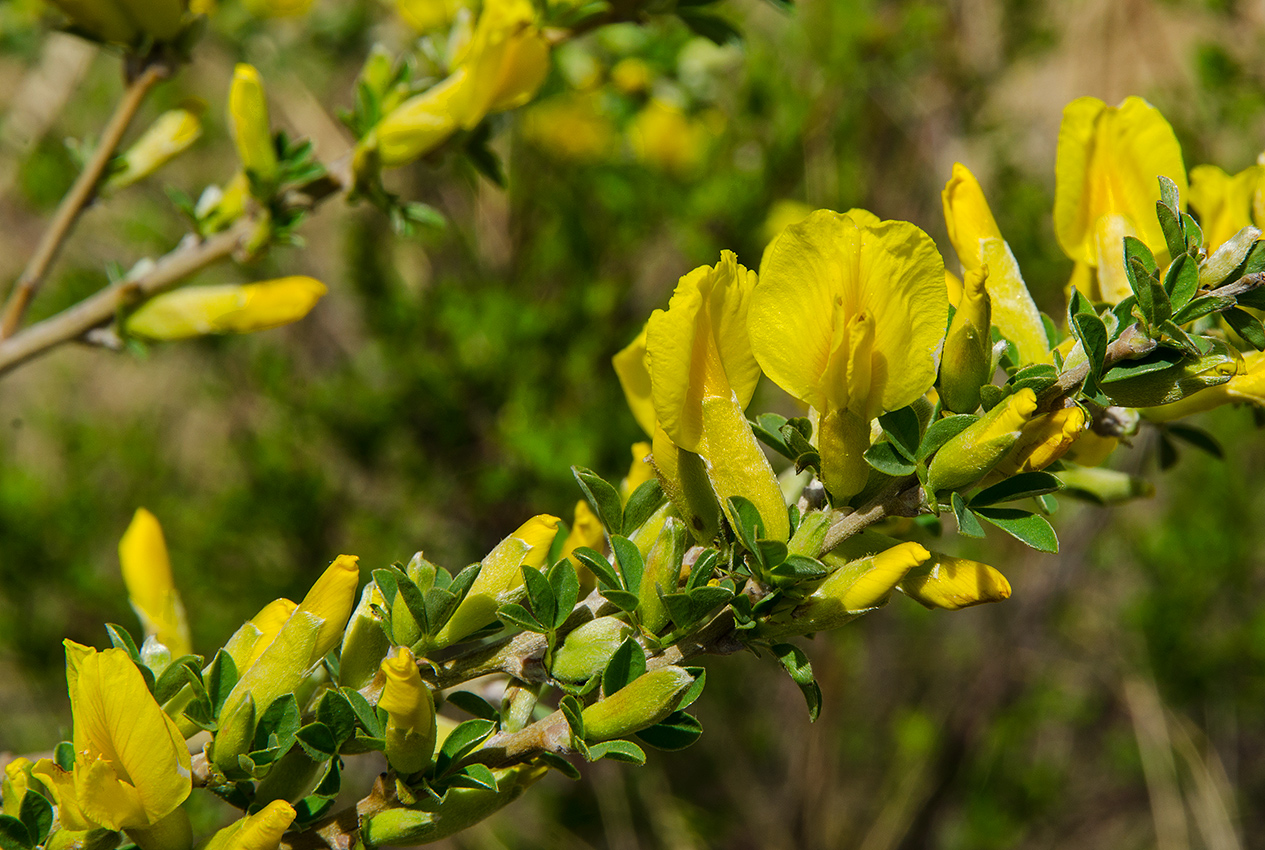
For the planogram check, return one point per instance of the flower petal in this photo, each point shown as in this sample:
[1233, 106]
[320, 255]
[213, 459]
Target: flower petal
[147, 574]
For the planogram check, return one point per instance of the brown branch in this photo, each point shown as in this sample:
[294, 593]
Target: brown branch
[78, 198]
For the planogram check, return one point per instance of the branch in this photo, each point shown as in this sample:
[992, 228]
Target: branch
[77, 199]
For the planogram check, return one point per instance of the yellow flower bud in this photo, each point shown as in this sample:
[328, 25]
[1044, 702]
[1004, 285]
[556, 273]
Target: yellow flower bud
[1044, 440]
[954, 583]
[260, 831]
[17, 781]
[153, 594]
[853, 588]
[229, 308]
[168, 137]
[248, 119]
[1091, 449]
[641, 703]
[969, 456]
[331, 599]
[410, 708]
[964, 365]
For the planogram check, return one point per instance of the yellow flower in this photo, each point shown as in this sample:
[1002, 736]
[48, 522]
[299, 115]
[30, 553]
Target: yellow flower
[410, 708]
[147, 574]
[979, 243]
[1106, 185]
[132, 768]
[633, 371]
[703, 374]
[664, 137]
[954, 583]
[17, 781]
[1226, 204]
[168, 137]
[1043, 440]
[260, 831]
[632, 75]
[248, 120]
[126, 22]
[504, 64]
[415, 127]
[229, 308]
[964, 460]
[848, 318]
[585, 531]
[258, 633]
[639, 471]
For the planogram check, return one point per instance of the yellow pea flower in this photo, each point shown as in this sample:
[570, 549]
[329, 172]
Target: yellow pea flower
[415, 127]
[964, 460]
[260, 831]
[572, 126]
[586, 530]
[633, 371]
[703, 374]
[954, 583]
[147, 574]
[410, 708]
[1044, 440]
[228, 308]
[1106, 185]
[132, 768]
[168, 137]
[258, 633]
[979, 244]
[848, 318]
[125, 22]
[17, 781]
[500, 574]
[248, 120]
[504, 64]
[1225, 205]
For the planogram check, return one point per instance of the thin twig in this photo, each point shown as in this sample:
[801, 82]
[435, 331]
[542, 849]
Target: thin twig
[78, 198]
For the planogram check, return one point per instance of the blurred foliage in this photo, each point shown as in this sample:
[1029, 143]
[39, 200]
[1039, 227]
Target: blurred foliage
[439, 395]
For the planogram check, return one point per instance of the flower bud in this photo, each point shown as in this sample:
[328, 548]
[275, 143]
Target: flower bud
[1104, 486]
[1043, 440]
[964, 366]
[954, 583]
[662, 574]
[17, 781]
[641, 703]
[1228, 257]
[150, 588]
[588, 648]
[810, 534]
[199, 310]
[260, 831]
[365, 644]
[217, 209]
[500, 575]
[736, 465]
[856, 586]
[256, 635]
[168, 137]
[1246, 386]
[248, 119]
[410, 708]
[969, 456]
[639, 471]
[433, 820]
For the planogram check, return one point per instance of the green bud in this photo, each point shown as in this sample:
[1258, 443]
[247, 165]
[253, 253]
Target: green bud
[964, 365]
[461, 808]
[663, 572]
[1228, 257]
[645, 536]
[588, 648]
[1166, 376]
[365, 644]
[641, 703]
[810, 534]
[969, 456]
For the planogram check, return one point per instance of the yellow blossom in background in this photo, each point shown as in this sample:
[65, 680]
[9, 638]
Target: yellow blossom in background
[168, 137]
[199, 310]
[979, 243]
[632, 75]
[639, 471]
[1225, 205]
[132, 768]
[150, 588]
[427, 15]
[664, 137]
[1106, 185]
[848, 318]
[503, 65]
[586, 530]
[277, 8]
[260, 831]
[633, 371]
[248, 120]
[571, 126]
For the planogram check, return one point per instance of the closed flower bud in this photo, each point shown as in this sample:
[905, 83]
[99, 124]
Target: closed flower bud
[1228, 257]
[217, 208]
[964, 365]
[433, 820]
[364, 643]
[639, 471]
[1044, 440]
[150, 589]
[260, 831]
[200, 310]
[171, 135]
[641, 703]
[810, 534]
[256, 635]
[954, 583]
[410, 708]
[588, 647]
[662, 573]
[969, 456]
[17, 781]
[586, 530]
[248, 119]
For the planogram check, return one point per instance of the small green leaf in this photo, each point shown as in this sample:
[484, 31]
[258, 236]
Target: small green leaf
[36, 812]
[1181, 281]
[884, 457]
[540, 593]
[1197, 437]
[14, 835]
[941, 431]
[1247, 326]
[1169, 195]
[677, 731]
[365, 715]
[767, 427]
[461, 741]
[513, 614]
[560, 764]
[64, 755]
[902, 429]
[695, 690]
[219, 679]
[1092, 335]
[573, 711]
[1032, 529]
[317, 740]
[631, 564]
[968, 525]
[336, 712]
[625, 751]
[622, 599]
[472, 703]
[603, 497]
[642, 504]
[473, 776]
[415, 601]
[801, 568]
[566, 591]
[796, 664]
[1202, 306]
[750, 525]
[703, 568]
[599, 566]
[626, 664]
[1170, 223]
[1022, 486]
[278, 725]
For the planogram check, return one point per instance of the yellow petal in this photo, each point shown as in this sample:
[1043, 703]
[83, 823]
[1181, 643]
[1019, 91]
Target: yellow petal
[197, 310]
[736, 466]
[169, 136]
[147, 574]
[248, 119]
[699, 347]
[819, 276]
[954, 583]
[1224, 203]
[639, 471]
[978, 243]
[61, 783]
[633, 369]
[420, 124]
[1108, 162]
[405, 696]
[1044, 440]
[505, 62]
[585, 531]
[331, 598]
[260, 831]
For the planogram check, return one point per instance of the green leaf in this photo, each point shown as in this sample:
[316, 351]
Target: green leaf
[642, 504]
[1181, 281]
[795, 663]
[599, 566]
[801, 568]
[1202, 306]
[703, 568]
[1032, 529]
[711, 27]
[387, 582]
[1168, 453]
[1169, 195]
[220, 678]
[573, 711]
[750, 525]
[1171, 224]
[902, 429]
[440, 605]
[513, 614]
[566, 591]
[631, 564]
[543, 605]
[365, 715]
[603, 497]
[460, 584]
[474, 776]
[64, 755]
[1038, 377]
[1194, 234]
[767, 427]
[626, 664]
[968, 525]
[695, 690]
[770, 552]
[461, 741]
[1022, 486]
[183, 671]
[885, 457]
[622, 599]
[120, 638]
[14, 835]
[278, 725]
[36, 812]
[560, 764]
[676, 732]
[335, 711]
[1092, 334]
[472, 703]
[1247, 326]
[317, 740]
[331, 780]
[941, 431]
[625, 751]
[415, 601]
[1197, 437]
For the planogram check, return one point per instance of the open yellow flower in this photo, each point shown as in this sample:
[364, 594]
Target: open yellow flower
[979, 243]
[147, 574]
[703, 374]
[1106, 185]
[227, 308]
[1226, 204]
[132, 768]
[848, 318]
